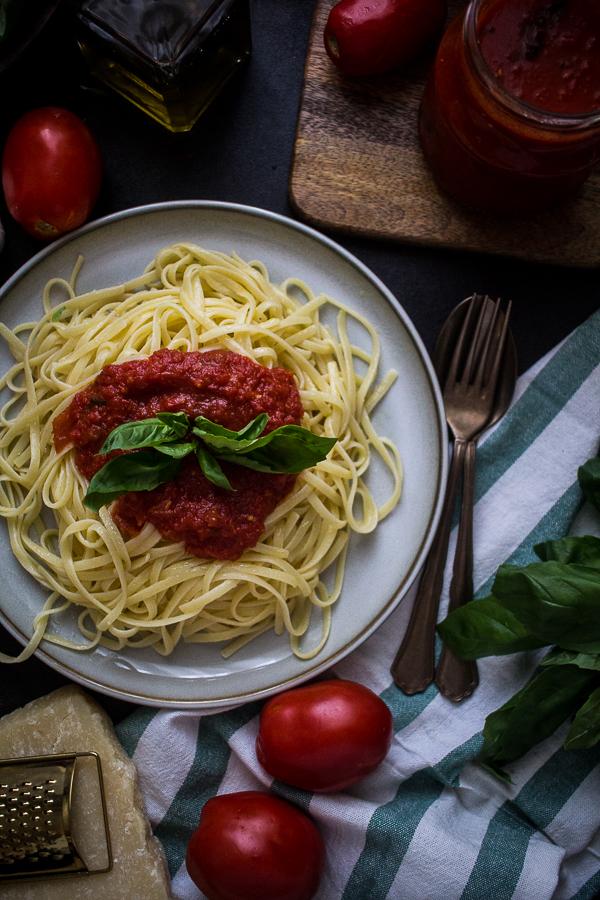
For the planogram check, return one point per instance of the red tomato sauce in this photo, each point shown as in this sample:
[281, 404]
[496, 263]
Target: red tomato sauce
[226, 388]
[547, 54]
[484, 147]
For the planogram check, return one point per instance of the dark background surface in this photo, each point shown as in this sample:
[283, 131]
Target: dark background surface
[240, 151]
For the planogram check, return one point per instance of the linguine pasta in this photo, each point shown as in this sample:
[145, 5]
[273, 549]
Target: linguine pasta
[145, 591]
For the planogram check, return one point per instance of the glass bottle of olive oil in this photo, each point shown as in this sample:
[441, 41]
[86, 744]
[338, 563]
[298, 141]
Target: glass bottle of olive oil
[169, 57]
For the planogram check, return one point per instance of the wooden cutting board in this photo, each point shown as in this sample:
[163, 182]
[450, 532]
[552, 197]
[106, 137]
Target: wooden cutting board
[357, 167]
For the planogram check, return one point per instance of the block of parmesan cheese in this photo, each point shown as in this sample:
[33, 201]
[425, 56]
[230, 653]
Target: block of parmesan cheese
[69, 721]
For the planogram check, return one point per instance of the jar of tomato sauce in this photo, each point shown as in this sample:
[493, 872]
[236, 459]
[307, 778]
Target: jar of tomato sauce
[510, 117]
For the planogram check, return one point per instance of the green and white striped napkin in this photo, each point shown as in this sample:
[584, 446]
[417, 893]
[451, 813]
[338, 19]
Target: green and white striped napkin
[430, 823]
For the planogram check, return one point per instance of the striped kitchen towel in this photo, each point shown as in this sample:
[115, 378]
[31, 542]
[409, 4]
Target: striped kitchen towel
[431, 823]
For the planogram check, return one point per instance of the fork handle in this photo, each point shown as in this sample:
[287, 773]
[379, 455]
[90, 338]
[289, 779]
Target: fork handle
[414, 666]
[457, 678]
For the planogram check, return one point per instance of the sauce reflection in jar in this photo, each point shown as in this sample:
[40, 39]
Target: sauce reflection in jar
[510, 118]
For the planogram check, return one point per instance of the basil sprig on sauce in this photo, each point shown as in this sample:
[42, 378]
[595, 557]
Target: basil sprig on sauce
[555, 601]
[161, 443]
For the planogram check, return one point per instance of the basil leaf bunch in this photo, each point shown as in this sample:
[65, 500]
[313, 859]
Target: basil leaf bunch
[160, 443]
[555, 601]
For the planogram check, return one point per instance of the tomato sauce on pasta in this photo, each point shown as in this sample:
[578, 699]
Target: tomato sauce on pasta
[225, 387]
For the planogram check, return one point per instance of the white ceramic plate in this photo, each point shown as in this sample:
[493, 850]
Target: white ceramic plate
[381, 566]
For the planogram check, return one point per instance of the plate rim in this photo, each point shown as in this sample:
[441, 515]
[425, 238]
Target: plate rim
[442, 473]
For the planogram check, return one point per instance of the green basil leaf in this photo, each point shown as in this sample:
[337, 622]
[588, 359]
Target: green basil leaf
[284, 440]
[142, 471]
[254, 428]
[177, 450]
[584, 549]
[495, 751]
[589, 480]
[56, 315]
[211, 469]
[241, 460]
[559, 657]
[558, 602]
[147, 432]
[287, 449]
[585, 728]
[178, 422]
[217, 437]
[533, 714]
[485, 628]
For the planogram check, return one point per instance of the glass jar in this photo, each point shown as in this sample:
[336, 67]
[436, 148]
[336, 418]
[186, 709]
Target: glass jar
[488, 147]
[168, 57]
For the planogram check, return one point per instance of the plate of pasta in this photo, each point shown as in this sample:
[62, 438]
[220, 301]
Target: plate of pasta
[168, 339]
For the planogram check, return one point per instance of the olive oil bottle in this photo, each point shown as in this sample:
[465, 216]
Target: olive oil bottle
[168, 57]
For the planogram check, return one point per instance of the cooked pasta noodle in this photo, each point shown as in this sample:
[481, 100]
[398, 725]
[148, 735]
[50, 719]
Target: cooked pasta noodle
[145, 591]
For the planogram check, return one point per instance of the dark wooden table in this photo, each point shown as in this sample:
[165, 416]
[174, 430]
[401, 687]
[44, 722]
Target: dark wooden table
[240, 151]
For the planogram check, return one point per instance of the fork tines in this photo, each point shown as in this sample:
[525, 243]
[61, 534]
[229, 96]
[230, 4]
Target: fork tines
[486, 341]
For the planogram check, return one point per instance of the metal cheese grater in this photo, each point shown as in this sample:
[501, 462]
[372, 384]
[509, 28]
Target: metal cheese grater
[35, 818]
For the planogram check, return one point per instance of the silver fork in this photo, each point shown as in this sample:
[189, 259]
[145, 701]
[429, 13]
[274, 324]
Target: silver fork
[469, 392]
[457, 678]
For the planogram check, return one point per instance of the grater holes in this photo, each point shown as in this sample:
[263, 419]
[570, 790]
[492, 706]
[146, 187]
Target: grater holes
[35, 838]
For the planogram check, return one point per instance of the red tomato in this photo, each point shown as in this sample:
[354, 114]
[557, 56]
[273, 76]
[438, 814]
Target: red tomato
[371, 38]
[325, 736]
[51, 172]
[253, 846]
